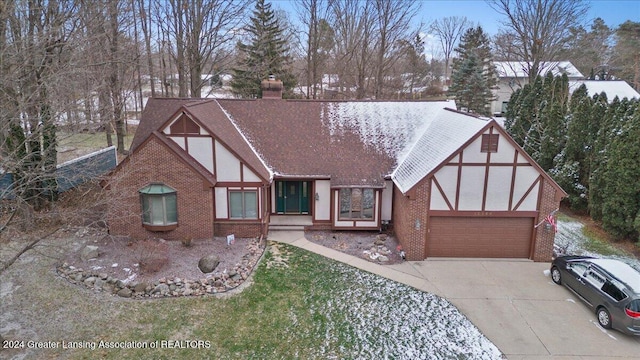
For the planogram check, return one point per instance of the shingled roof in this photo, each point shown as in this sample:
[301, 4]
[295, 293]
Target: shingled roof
[352, 143]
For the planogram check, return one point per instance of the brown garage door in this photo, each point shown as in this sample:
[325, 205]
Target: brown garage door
[479, 237]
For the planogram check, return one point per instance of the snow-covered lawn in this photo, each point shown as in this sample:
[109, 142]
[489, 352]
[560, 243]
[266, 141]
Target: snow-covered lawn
[382, 319]
[571, 239]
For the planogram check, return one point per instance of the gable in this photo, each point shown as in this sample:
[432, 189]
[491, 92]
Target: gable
[474, 178]
[157, 149]
[448, 131]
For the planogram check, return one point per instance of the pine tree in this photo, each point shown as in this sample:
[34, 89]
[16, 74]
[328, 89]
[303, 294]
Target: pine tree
[267, 54]
[621, 206]
[553, 119]
[473, 76]
[571, 172]
[613, 111]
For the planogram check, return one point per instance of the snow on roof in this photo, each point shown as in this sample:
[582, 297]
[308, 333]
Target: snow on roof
[518, 69]
[388, 127]
[445, 134]
[619, 88]
[622, 271]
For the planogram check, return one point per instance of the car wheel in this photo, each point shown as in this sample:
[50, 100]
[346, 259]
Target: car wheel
[604, 318]
[555, 275]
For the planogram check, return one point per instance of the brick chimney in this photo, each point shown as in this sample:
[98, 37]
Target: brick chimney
[271, 88]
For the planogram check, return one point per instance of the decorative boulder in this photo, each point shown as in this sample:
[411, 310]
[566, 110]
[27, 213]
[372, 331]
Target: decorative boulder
[125, 293]
[208, 263]
[89, 252]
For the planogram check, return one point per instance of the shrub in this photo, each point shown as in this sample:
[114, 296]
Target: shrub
[151, 255]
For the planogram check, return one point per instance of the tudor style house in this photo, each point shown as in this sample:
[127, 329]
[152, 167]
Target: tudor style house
[449, 184]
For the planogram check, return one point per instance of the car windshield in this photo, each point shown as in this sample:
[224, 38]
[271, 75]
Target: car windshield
[634, 306]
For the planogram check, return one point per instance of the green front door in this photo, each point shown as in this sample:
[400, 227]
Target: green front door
[292, 197]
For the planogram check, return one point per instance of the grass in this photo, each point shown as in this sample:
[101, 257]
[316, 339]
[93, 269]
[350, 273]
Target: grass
[595, 242]
[72, 145]
[300, 305]
[593, 239]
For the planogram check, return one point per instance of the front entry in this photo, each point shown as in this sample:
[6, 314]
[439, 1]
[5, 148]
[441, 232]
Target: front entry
[292, 197]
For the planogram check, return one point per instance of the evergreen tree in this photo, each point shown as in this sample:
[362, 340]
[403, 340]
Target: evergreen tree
[571, 172]
[521, 111]
[621, 206]
[267, 54]
[613, 111]
[473, 76]
[552, 119]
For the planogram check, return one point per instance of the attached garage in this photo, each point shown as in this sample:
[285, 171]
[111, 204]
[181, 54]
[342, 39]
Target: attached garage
[479, 237]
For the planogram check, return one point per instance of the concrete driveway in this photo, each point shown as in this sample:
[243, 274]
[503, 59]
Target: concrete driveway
[517, 306]
[513, 302]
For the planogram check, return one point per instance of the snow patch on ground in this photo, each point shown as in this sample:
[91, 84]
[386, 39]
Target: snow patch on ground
[395, 321]
[571, 239]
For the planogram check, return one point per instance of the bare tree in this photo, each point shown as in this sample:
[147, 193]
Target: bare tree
[539, 28]
[200, 35]
[144, 16]
[393, 19]
[353, 24]
[313, 14]
[448, 30]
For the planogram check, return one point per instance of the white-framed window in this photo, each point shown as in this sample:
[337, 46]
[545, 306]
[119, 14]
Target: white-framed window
[159, 205]
[243, 204]
[357, 203]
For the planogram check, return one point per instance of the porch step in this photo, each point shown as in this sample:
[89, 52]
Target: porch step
[286, 227]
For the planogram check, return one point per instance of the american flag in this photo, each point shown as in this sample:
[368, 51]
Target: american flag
[551, 221]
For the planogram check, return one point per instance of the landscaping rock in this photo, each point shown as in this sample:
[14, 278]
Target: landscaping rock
[90, 281]
[98, 284]
[161, 289]
[208, 263]
[140, 288]
[125, 293]
[89, 252]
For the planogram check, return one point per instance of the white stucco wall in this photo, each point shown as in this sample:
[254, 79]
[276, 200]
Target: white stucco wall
[222, 210]
[322, 206]
[201, 148]
[227, 165]
[178, 140]
[387, 201]
[248, 175]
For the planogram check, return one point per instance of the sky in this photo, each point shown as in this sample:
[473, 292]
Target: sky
[613, 12]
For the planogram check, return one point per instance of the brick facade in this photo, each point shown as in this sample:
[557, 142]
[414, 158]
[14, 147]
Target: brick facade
[543, 244]
[155, 163]
[410, 215]
[239, 229]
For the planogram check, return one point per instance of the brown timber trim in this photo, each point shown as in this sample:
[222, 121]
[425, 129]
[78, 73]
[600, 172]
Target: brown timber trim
[240, 184]
[458, 180]
[536, 182]
[513, 177]
[492, 164]
[489, 213]
[437, 184]
[486, 171]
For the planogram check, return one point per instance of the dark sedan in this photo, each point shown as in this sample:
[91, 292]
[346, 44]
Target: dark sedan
[610, 287]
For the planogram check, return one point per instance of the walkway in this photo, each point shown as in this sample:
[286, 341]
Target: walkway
[512, 302]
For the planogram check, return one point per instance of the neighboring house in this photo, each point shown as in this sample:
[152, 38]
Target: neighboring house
[72, 173]
[612, 88]
[450, 184]
[513, 75]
